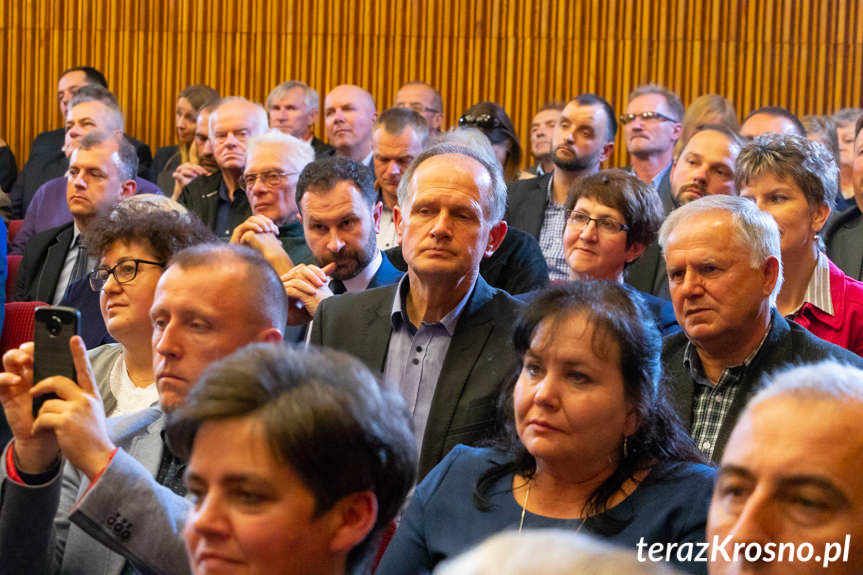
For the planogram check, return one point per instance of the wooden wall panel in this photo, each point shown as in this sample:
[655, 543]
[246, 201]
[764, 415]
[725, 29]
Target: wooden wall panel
[804, 54]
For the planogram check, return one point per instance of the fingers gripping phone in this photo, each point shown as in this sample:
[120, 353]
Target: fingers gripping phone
[54, 326]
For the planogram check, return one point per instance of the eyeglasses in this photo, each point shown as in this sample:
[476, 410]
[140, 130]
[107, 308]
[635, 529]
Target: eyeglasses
[271, 179]
[419, 108]
[646, 116]
[124, 271]
[486, 121]
[606, 226]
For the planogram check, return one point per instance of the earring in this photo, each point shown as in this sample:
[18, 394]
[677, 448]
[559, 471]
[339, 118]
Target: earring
[625, 454]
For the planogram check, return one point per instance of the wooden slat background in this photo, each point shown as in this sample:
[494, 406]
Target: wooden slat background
[806, 55]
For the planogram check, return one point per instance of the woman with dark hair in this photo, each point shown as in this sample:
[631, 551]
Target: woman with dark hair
[134, 243]
[169, 158]
[589, 443]
[611, 218]
[491, 120]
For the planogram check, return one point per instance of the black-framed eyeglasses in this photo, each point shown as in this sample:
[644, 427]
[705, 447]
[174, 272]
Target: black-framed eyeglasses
[485, 121]
[124, 271]
[271, 179]
[605, 225]
[627, 118]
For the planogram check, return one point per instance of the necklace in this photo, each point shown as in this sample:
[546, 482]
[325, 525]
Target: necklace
[524, 509]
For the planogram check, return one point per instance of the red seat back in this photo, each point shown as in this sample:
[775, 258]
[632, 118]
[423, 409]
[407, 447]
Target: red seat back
[14, 226]
[12, 263]
[18, 325]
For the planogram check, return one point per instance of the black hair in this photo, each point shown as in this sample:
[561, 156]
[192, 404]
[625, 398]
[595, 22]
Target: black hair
[323, 175]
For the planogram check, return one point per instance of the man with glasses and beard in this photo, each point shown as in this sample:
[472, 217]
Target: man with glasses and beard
[582, 140]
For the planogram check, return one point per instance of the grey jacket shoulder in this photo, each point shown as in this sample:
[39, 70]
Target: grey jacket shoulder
[102, 359]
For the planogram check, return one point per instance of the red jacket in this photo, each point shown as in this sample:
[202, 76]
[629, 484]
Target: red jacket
[845, 326]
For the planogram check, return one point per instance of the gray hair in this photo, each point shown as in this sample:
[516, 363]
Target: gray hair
[755, 229]
[826, 381]
[847, 116]
[672, 100]
[808, 164]
[310, 96]
[300, 153]
[95, 93]
[259, 115]
[125, 158]
[494, 206]
[563, 553]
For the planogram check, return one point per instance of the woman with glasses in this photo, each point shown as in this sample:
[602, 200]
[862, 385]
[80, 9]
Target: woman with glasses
[134, 241]
[589, 443]
[612, 216]
[491, 120]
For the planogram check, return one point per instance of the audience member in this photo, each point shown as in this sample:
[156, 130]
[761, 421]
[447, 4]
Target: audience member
[215, 198]
[85, 495]
[517, 266]
[349, 116]
[205, 163]
[582, 140]
[651, 127]
[400, 135]
[441, 333]
[705, 167]
[844, 236]
[846, 122]
[425, 100]
[331, 451]
[822, 129]
[771, 120]
[273, 165]
[795, 180]
[703, 110]
[491, 120]
[589, 443]
[562, 553]
[169, 158]
[541, 130]
[92, 108]
[612, 217]
[790, 476]
[293, 109]
[340, 212]
[724, 266]
[102, 170]
[8, 173]
[47, 159]
[134, 243]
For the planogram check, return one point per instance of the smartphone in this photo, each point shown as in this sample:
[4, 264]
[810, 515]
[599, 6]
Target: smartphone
[54, 326]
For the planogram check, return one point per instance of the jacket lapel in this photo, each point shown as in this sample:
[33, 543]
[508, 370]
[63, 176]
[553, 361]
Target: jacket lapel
[55, 257]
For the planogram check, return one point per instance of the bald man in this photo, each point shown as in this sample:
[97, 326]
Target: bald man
[350, 114]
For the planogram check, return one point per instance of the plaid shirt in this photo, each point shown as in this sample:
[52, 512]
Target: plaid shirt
[551, 238]
[711, 403]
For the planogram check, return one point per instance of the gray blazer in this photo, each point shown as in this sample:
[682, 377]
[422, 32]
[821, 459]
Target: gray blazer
[479, 359]
[61, 526]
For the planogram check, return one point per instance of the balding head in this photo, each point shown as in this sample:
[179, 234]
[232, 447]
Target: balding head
[350, 113]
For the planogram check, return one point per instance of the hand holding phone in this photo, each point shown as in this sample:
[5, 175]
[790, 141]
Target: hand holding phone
[54, 327]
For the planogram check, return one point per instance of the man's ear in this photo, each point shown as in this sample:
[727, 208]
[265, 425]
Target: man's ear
[128, 188]
[269, 335]
[353, 518]
[607, 151]
[770, 269]
[398, 221]
[495, 237]
[376, 216]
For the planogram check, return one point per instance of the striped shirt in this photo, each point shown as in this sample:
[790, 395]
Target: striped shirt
[818, 288]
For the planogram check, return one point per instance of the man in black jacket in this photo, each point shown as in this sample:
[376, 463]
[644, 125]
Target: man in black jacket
[47, 159]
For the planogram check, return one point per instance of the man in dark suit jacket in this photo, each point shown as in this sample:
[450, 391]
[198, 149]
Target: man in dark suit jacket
[293, 109]
[844, 235]
[47, 159]
[56, 258]
[442, 334]
[349, 114]
[732, 334]
[218, 199]
[582, 140]
[340, 214]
